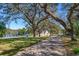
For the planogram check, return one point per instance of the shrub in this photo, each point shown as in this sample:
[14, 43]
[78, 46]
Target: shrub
[76, 50]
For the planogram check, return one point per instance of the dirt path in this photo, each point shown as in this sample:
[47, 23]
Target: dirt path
[51, 47]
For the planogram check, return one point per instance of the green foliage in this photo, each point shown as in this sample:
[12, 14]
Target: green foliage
[29, 30]
[2, 29]
[21, 31]
[76, 50]
[76, 27]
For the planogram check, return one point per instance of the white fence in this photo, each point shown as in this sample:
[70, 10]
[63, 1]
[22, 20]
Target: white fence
[25, 36]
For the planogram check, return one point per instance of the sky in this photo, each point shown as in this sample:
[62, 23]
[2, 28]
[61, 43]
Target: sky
[19, 25]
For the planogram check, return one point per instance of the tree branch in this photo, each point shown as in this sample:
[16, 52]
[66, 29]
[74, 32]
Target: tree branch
[54, 17]
[42, 20]
[23, 13]
[71, 11]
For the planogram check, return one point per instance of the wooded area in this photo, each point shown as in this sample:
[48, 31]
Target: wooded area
[44, 21]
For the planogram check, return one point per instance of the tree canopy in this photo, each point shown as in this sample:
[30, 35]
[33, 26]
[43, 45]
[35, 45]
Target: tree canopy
[34, 14]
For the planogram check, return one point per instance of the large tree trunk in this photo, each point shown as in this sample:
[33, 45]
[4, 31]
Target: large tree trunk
[34, 32]
[39, 34]
[71, 29]
[34, 29]
[71, 34]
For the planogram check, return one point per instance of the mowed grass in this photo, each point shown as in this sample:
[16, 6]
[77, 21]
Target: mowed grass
[9, 47]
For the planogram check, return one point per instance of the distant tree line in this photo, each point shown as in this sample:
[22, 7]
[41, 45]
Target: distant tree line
[2, 28]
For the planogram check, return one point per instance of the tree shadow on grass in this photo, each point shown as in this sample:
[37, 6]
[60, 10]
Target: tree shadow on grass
[14, 51]
[10, 52]
[18, 47]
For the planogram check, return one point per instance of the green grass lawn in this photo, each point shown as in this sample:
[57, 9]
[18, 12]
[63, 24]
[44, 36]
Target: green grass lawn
[9, 47]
